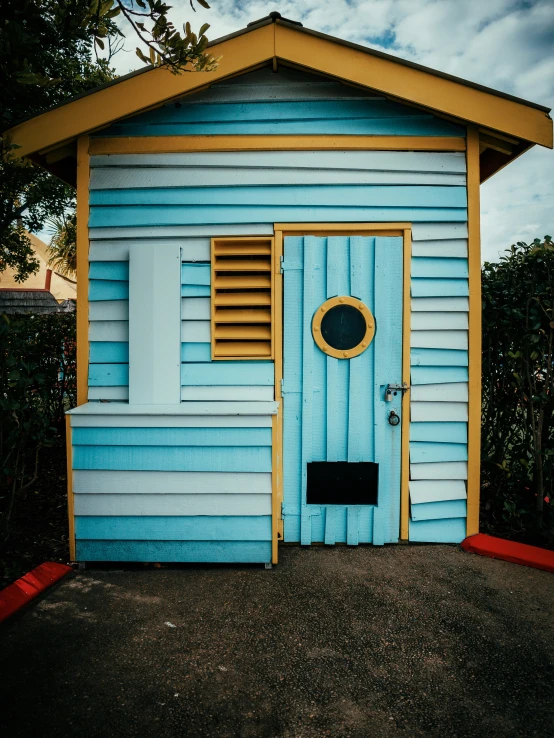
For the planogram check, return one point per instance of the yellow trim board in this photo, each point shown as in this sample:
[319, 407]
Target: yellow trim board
[338, 229]
[415, 85]
[277, 435]
[474, 413]
[356, 229]
[406, 332]
[70, 498]
[83, 173]
[183, 144]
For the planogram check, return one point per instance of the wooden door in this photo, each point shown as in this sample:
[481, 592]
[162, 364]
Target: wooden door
[335, 408]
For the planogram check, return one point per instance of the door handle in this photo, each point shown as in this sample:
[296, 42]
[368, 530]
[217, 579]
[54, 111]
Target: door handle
[394, 419]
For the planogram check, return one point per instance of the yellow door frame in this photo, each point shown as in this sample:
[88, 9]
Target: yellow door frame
[404, 230]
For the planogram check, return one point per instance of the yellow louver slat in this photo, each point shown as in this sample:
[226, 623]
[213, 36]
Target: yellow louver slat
[241, 315]
[242, 265]
[243, 332]
[242, 350]
[241, 281]
[240, 299]
[242, 304]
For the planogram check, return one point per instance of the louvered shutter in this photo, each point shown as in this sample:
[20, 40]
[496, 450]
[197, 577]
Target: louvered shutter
[242, 291]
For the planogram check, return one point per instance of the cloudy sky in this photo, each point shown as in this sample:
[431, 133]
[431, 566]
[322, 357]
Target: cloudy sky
[504, 44]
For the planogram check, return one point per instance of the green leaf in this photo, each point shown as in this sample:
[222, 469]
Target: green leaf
[142, 56]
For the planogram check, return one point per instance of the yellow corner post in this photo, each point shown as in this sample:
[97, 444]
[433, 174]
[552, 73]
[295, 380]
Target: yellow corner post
[406, 321]
[474, 414]
[70, 501]
[277, 427]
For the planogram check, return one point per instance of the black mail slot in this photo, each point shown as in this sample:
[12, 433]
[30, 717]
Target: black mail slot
[342, 483]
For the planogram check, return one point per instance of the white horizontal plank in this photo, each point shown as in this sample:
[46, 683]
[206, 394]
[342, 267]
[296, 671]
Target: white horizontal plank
[192, 249]
[108, 393]
[439, 339]
[184, 408]
[168, 482]
[421, 412]
[454, 248]
[437, 321]
[194, 231]
[438, 231]
[430, 490]
[173, 504]
[414, 161]
[256, 393]
[195, 249]
[195, 331]
[451, 392]
[440, 304]
[170, 421]
[195, 308]
[151, 177]
[439, 470]
[109, 310]
[109, 330]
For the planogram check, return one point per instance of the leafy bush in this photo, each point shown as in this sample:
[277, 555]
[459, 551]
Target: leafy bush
[37, 385]
[518, 394]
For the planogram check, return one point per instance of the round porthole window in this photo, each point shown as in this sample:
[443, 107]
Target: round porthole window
[343, 327]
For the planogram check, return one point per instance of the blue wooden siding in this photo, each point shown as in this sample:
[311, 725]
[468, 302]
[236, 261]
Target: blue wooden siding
[174, 528]
[228, 552]
[203, 492]
[223, 110]
[182, 458]
[415, 196]
[172, 437]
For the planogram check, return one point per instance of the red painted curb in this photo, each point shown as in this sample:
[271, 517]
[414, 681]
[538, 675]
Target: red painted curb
[517, 553]
[17, 595]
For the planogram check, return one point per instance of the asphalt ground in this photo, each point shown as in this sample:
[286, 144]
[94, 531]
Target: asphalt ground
[395, 641]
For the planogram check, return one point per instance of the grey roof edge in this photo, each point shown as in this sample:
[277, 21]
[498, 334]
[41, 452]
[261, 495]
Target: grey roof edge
[295, 25]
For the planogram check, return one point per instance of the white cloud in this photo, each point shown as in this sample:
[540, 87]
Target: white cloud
[504, 44]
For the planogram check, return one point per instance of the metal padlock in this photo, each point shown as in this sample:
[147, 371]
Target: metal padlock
[388, 395]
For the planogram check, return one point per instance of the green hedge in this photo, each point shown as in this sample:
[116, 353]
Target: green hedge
[518, 394]
[37, 385]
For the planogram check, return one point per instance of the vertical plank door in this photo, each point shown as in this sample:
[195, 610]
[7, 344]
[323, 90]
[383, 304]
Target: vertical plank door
[335, 409]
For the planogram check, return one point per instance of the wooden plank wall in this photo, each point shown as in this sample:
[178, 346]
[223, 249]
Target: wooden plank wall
[287, 102]
[172, 488]
[439, 377]
[185, 199]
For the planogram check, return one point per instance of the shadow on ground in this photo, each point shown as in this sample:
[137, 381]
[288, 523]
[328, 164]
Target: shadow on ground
[398, 641]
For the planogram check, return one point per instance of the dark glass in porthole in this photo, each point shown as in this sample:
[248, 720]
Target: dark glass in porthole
[343, 327]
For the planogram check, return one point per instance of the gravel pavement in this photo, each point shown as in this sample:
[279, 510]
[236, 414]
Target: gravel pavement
[403, 641]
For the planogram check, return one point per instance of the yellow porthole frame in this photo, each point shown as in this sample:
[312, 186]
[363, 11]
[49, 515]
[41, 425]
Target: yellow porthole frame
[340, 353]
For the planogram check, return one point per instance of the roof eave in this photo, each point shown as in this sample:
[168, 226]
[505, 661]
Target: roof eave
[278, 38]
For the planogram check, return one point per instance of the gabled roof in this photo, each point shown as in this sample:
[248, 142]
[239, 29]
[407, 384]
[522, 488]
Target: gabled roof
[508, 125]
